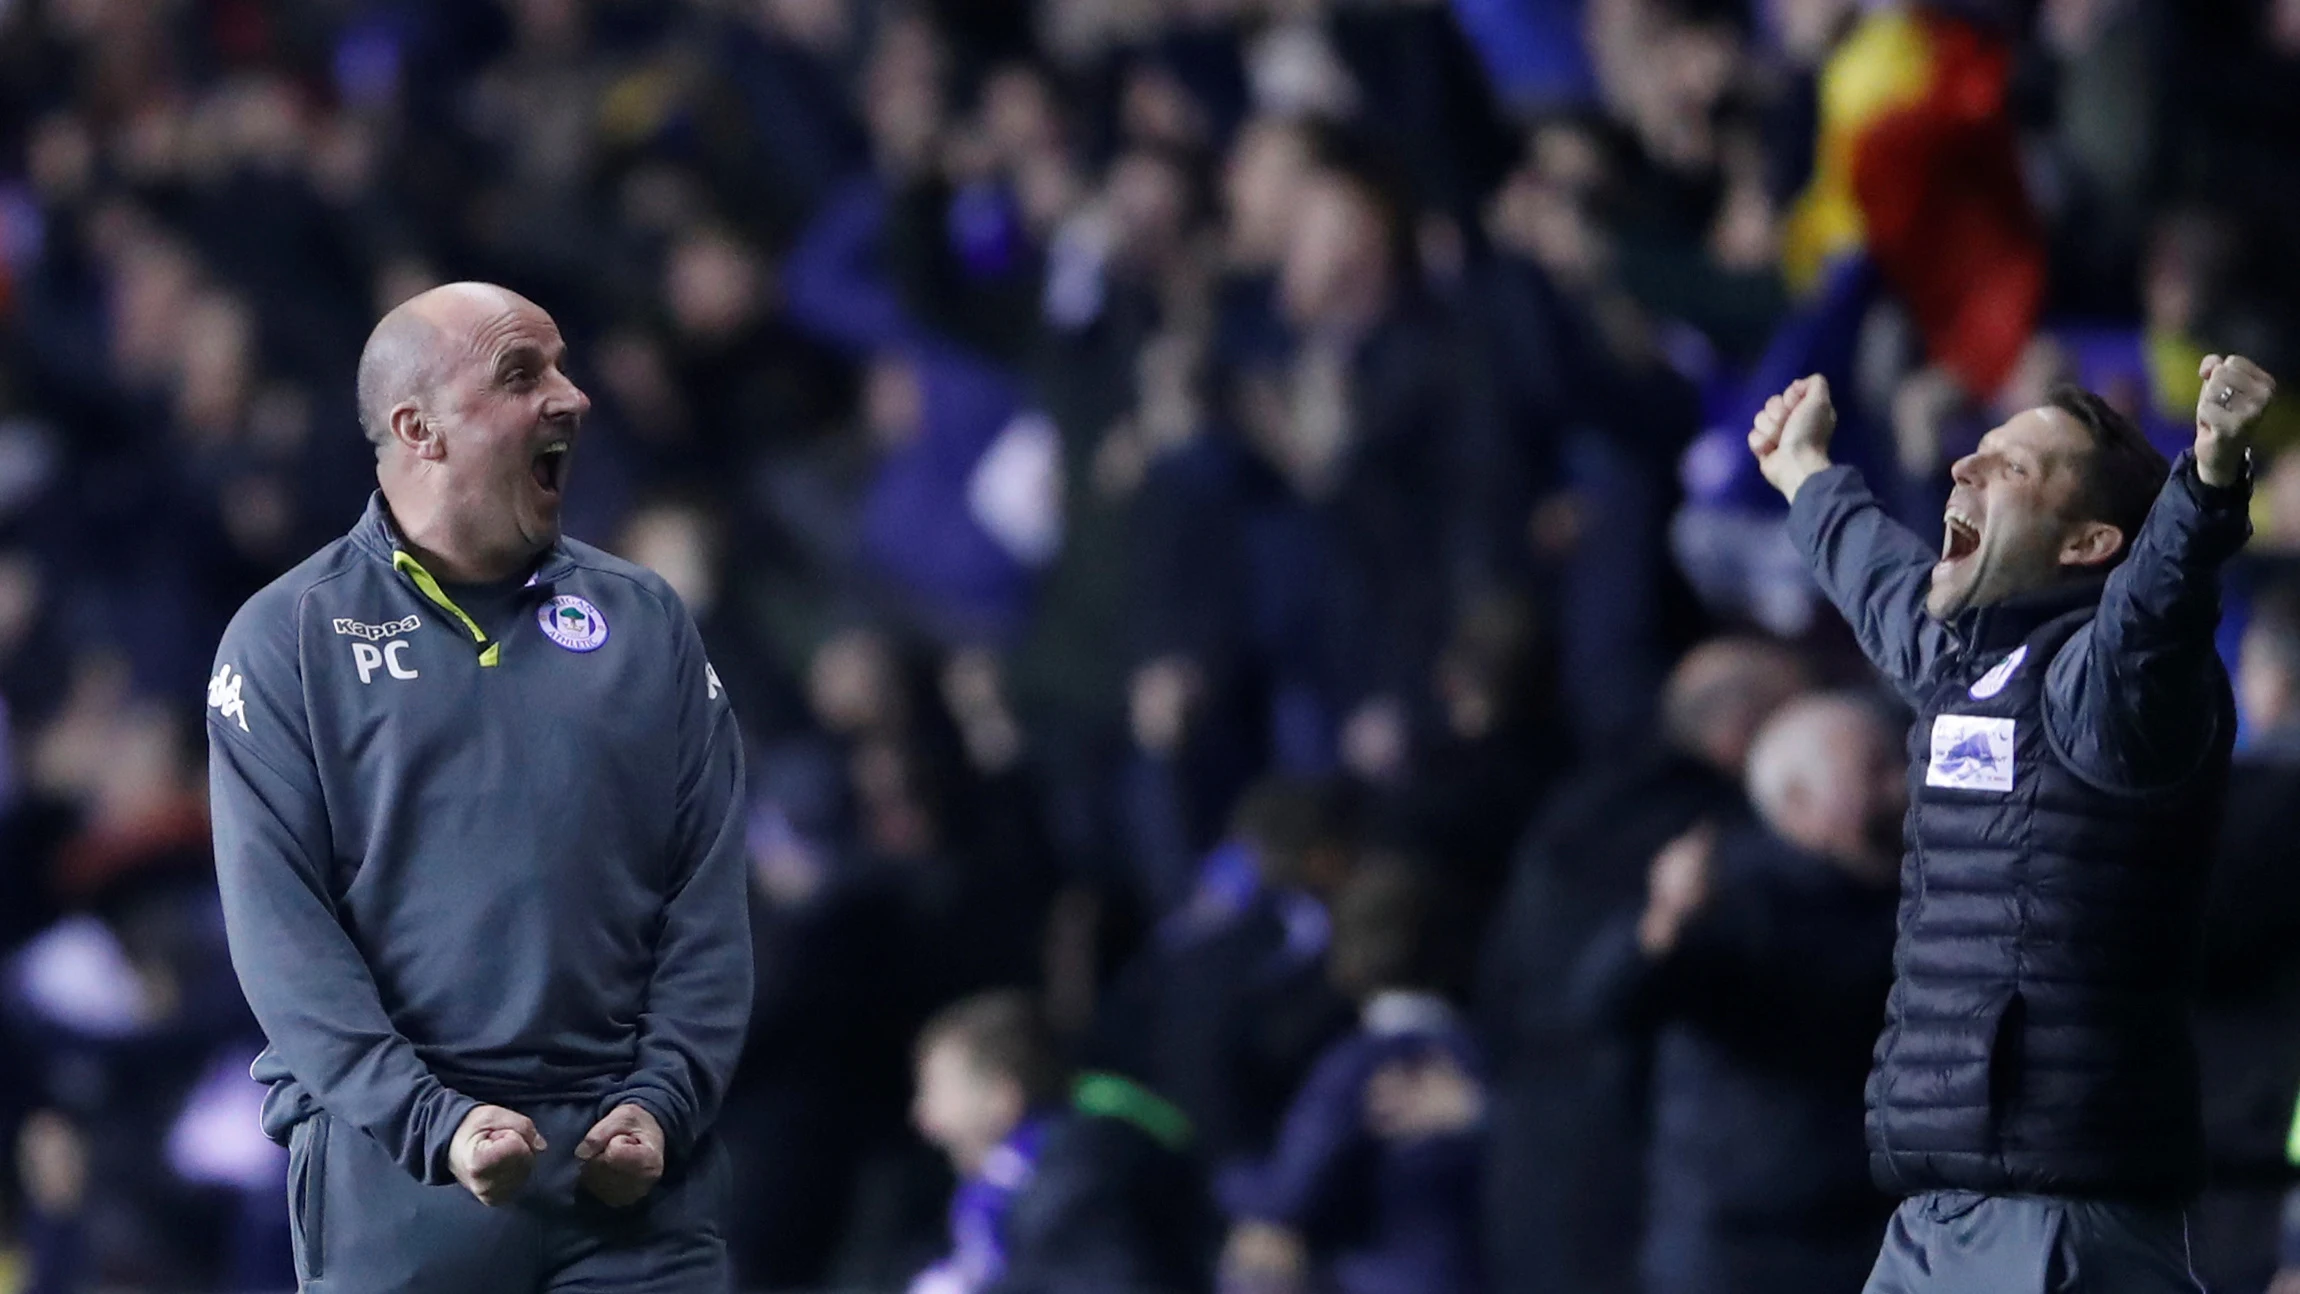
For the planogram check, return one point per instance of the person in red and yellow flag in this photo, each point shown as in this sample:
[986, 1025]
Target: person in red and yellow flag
[1917, 166]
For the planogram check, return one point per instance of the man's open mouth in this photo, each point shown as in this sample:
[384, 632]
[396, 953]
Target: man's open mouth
[550, 465]
[1959, 536]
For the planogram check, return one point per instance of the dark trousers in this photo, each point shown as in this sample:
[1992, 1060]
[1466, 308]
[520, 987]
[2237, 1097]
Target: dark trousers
[1957, 1242]
[2238, 1230]
[362, 1224]
[1716, 1259]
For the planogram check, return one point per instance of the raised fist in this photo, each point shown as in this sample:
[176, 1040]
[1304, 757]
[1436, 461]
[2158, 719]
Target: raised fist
[1791, 436]
[2235, 391]
[1676, 887]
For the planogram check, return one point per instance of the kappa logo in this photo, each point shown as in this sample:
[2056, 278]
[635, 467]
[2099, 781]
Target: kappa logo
[377, 633]
[572, 623]
[224, 696]
[711, 684]
[1971, 753]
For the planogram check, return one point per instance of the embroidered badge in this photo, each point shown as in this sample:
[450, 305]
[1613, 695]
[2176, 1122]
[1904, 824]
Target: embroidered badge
[1971, 753]
[572, 623]
[1994, 681]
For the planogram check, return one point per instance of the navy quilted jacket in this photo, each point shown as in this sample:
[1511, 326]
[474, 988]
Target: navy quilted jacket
[2066, 770]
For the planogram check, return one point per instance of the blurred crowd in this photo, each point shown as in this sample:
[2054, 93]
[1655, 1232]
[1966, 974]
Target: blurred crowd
[1288, 748]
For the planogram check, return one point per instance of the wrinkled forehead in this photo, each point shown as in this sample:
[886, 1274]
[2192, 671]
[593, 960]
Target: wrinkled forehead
[2045, 436]
[516, 325]
[478, 323]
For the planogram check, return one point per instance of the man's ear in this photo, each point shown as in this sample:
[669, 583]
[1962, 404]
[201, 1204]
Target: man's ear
[2091, 543]
[411, 431]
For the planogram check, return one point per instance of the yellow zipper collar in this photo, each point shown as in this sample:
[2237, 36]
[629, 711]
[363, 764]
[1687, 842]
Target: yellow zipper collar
[490, 653]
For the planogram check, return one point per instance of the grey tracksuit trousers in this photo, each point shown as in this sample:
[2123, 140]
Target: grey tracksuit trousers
[362, 1224]
[1958, 1242]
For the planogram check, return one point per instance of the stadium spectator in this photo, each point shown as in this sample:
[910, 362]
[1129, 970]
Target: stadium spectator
[132, 1039]
[1372, 1184]
[1761, 960]
[1493, 749]
[1228, 1005]
[1569, 1104]
[1581, 414]
[1067, 1184]
[2248, 1007]
[819, 1095]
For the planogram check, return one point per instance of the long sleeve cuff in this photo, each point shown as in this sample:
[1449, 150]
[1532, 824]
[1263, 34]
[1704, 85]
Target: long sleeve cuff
[2231, 503]
[2194, 524]
[448, 1110]
[678, 1129]
[1820, 500]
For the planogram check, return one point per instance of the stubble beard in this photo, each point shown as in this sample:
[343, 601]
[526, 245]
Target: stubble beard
[1947, 604]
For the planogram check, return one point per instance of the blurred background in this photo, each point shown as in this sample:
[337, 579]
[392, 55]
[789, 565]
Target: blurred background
[1226, 516]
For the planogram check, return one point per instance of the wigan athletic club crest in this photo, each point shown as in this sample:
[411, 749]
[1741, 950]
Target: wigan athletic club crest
[572, 623]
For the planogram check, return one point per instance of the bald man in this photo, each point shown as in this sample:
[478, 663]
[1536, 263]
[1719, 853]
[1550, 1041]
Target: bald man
[478, 824]
[1722, 691]
[1826, 774]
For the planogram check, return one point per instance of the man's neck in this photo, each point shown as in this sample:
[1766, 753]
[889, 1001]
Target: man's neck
[429, 537]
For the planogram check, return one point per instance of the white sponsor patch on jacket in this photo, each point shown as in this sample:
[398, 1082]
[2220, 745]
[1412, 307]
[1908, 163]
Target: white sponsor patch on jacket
[1971, 753]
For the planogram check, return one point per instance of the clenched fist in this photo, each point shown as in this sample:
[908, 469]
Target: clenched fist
[2235, 391]
[493, 1152]
[622, 1156]
[1791, 437]
[1676, 887]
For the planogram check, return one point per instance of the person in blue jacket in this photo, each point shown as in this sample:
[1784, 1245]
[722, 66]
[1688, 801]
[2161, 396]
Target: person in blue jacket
[1069, 1183]
[1374, 1184]
[2034, 1097]
[478, 816]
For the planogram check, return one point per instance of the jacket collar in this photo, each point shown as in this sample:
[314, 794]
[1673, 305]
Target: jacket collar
[378, 535]
[2008, 623]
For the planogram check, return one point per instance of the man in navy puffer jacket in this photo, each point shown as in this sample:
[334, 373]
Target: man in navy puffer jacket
[2034, 1097]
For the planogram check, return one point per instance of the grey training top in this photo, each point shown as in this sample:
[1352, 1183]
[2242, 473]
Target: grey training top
[458, 867]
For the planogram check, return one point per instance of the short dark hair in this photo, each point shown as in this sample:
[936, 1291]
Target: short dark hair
[1290, 820]
[1004, 1033]
[1376, 176]
[1382, 930]
[2123, 474]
